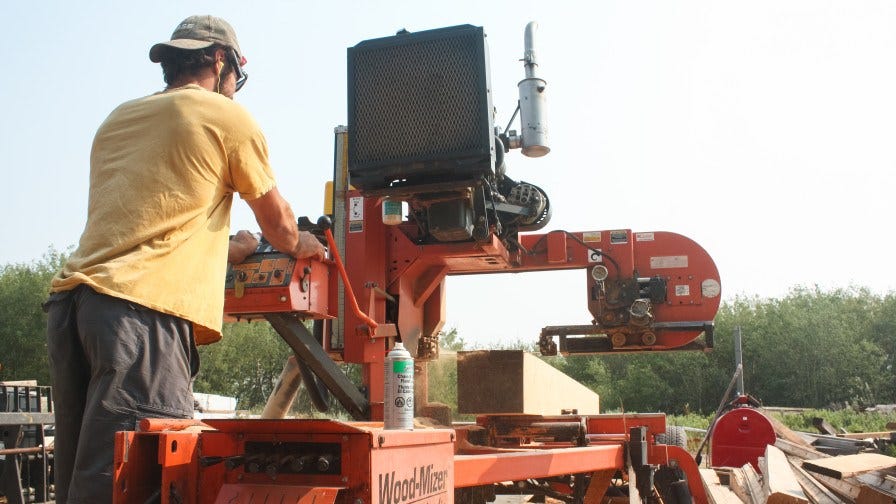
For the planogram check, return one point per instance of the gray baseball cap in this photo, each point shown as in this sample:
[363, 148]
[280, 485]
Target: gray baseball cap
[198, 32]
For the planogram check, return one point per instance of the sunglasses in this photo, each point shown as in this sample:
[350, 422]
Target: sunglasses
[237, 63]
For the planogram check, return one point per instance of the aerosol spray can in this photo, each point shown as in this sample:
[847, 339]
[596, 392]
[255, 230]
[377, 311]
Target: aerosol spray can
[398, 403]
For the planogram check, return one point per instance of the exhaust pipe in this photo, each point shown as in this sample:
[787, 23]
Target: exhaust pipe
[532, 101]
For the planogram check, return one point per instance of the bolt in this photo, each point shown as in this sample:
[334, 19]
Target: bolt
[382, 440]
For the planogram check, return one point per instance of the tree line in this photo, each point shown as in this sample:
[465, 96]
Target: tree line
[811, 348]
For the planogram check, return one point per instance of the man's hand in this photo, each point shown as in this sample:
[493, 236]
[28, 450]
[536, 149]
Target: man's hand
[309, 246]
[278, 224]
[241, 246]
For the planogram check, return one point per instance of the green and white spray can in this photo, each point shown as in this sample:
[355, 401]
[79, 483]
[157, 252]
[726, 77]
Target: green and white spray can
[398, 402]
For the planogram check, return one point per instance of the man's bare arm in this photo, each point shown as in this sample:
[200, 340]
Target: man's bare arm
[278, 225]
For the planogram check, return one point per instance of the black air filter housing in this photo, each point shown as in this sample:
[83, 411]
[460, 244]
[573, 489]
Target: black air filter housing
[420, 109]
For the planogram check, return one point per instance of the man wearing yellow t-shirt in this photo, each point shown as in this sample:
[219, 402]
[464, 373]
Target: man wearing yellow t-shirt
[146, 282]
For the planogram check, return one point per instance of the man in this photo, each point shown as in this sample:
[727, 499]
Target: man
[146, 282]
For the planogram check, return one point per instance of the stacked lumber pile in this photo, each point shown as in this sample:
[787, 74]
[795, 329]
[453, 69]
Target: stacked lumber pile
[793, 473]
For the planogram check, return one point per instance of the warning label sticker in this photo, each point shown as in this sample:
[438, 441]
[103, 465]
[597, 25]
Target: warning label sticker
[356, 208]
[663, 262]
[682, 290]
[591, 236]
[643, 237]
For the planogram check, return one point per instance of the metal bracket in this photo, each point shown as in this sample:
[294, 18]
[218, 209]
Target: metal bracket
[302, 342]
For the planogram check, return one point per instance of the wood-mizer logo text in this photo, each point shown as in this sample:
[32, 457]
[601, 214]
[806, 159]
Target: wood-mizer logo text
[426, 481]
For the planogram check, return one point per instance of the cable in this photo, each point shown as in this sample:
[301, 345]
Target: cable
[536, 250]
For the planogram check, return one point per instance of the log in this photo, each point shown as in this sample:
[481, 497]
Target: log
[845, 466]
[778, 480]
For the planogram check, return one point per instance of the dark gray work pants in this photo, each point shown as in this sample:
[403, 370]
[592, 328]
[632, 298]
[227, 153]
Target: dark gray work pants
[113, 362]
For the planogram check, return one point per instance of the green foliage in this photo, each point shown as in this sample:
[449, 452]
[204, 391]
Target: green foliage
[245, 364]
[846, 419]
[23, 324]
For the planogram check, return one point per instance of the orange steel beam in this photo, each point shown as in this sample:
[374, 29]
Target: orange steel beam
[474, 470]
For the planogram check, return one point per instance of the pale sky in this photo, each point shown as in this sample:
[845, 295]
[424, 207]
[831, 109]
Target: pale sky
[763, 130]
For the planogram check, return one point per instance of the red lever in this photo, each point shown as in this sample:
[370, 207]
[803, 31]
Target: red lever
[369, 322]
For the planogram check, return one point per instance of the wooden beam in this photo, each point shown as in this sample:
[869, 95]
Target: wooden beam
[798, 450]
[738, 485]
[783, 431]
[758, 494]
[815, 491]
[778, 480]
[868, 435]
[846, 490]
[824, 427]
[879, 480]
[845, 466]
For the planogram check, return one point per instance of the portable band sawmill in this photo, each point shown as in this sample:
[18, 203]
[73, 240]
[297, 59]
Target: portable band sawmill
[421, 191]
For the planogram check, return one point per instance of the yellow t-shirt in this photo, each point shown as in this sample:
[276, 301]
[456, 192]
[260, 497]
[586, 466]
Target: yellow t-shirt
[163, 171]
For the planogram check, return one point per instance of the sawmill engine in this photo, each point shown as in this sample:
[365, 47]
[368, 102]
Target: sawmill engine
[423, 137]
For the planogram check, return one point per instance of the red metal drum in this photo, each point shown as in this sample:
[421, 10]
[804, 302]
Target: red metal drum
[739, 437]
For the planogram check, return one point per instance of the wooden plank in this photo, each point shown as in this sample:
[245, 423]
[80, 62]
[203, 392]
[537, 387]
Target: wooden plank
[824, 427]
[868, 435]
[758, 494]
[871, 495]
[597, 488]
[738, 485]
[815, 491]
[880, 481]
[783, 431]
[845, 466]
[799, 451]
[778, 480]
[846, 490]
[716, 492]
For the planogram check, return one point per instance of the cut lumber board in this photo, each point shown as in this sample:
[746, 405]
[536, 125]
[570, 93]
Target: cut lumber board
[845, 489]
[716, 492]
[845, 466]
[824, 427]
[783, 431]
[754, 484]
[778, 480]
[799, 451]
[882, 482]
[871, 495]
[738, 485]
[814, 490]
[868, 435]
[513, 381]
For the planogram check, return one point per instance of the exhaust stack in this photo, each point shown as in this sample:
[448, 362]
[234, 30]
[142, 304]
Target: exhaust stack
[532, 101]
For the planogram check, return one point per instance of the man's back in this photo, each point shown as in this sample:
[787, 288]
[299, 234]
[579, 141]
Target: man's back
[163, 172]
